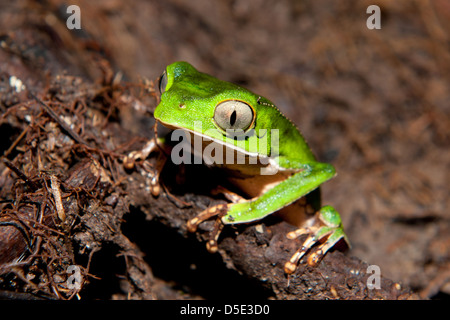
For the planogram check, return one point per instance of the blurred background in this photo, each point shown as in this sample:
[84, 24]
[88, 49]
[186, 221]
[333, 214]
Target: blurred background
[374, 103]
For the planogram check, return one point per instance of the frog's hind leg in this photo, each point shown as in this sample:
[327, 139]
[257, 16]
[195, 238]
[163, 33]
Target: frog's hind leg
[216, 211]
[326, 227]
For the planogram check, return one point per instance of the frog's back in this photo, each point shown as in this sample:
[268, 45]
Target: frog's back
[292, 145]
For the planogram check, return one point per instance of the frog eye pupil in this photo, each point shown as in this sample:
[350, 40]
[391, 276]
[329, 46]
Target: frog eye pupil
[233, 115]
[233, 118]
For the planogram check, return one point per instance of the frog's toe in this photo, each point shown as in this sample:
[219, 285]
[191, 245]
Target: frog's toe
[291, 265]
[326, 228]
[155, 186]
[329, 236]
[337, 235]
[217, 210]
[211, 245]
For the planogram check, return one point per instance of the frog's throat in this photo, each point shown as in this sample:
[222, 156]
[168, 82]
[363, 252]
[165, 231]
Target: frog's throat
[270, 160]
[208, 138]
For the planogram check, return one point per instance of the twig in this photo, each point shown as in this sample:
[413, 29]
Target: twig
[61, 122]
[20, 174]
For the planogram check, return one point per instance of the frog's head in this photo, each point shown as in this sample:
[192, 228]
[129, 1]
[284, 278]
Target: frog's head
[201, 104]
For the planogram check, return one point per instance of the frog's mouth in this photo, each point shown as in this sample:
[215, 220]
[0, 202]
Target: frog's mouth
[254, 159]
[208, 139]
[167, 125]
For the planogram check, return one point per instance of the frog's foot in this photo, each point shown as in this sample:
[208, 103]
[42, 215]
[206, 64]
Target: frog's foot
[217, 211]
[151, 171]
[328, 230]
[130, 159]
[153, 176]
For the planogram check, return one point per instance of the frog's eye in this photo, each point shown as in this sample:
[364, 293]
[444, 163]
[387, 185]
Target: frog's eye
[162, 82]
[234, 115]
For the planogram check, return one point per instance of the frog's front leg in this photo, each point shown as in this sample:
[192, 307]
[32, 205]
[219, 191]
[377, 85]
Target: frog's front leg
[326, 227]
[218, 211]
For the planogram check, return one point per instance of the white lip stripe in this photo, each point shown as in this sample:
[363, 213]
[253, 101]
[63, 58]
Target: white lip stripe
[250, 154]
[272, 162]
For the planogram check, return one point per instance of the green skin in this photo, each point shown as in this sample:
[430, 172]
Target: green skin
[190, 96]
